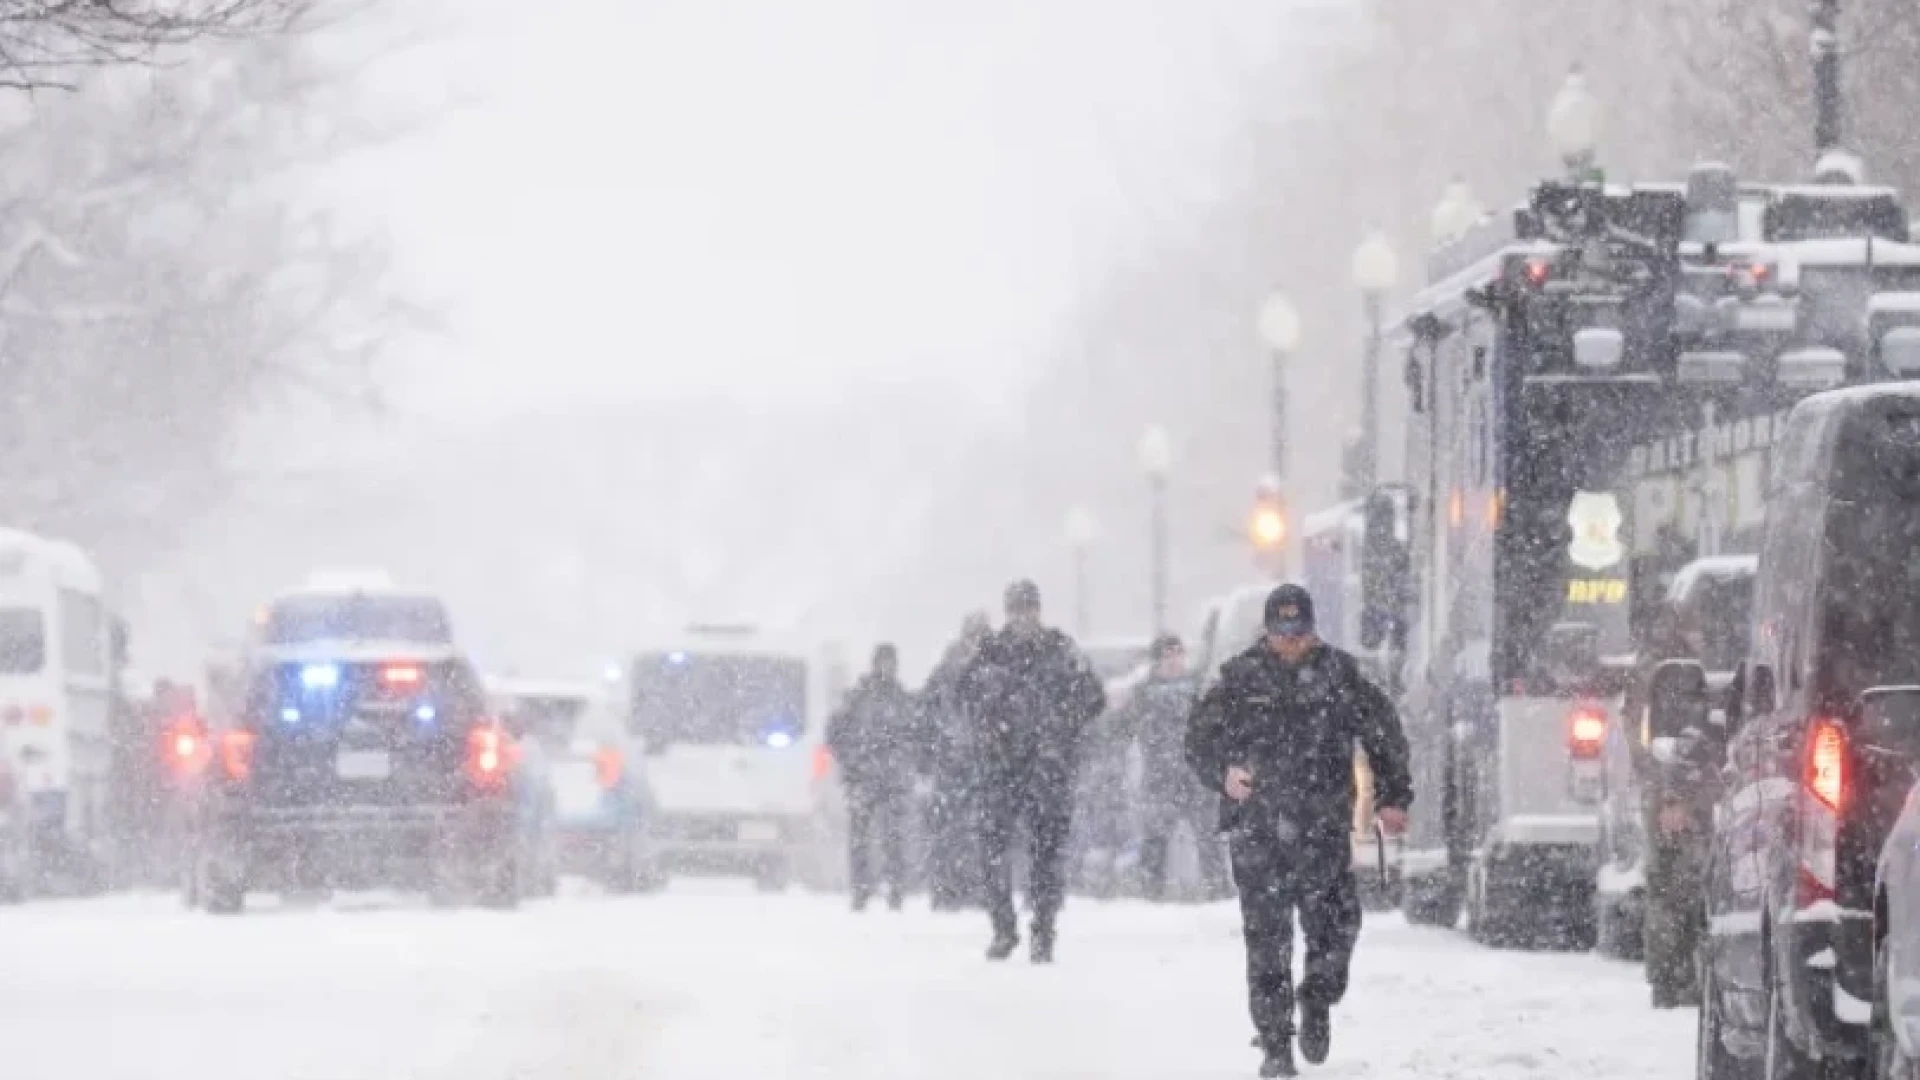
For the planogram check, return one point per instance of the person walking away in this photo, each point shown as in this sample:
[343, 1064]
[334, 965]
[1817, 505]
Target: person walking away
[953, 812]
[1032, 693]
[1275, 736]
[1154, 720]
[872, 738]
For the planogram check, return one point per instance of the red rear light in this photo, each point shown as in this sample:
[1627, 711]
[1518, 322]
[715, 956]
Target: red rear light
[1586, 732]
[1537, 271]
[402, 676]
[1828, 776]
[188, 749]
[236, 754]
[609, 765]
[822, 762]
[489, 755]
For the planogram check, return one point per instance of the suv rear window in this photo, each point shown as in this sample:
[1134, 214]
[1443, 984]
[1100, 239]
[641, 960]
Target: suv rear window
[718, 699]
[304, 620]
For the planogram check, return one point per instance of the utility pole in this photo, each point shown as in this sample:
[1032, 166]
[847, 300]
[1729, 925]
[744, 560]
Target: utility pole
[1826, 76]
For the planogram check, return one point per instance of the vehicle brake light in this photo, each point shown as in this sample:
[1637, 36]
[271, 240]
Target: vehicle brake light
[1827, 773]
[402, 675]
[1586, 732]
[236, 754]
[822, 762]
[1537, 271]
[489, 755]
[608, 765]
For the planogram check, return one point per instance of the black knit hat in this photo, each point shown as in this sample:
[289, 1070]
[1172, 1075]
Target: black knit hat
[1289, 611]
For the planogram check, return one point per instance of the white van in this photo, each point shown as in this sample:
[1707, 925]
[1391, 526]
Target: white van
[732, 728]
[57, 660]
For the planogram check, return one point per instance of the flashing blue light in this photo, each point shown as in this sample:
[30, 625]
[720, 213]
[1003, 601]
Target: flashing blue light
[289, 715]
[676, 658]
[425, 714]
[320, 676]
[779, 739]
[611, 673]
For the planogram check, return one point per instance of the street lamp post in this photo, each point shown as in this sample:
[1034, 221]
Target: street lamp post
[1826, 75]
[1573, 123]
[1280, 330]
[1082, 531]
[1375, 269]
[1156, 459]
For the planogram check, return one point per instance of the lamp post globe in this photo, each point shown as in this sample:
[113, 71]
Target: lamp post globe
[1082, 529]
[1573, 120]
[1280, 324]
[1156, 451]
[1375, 265]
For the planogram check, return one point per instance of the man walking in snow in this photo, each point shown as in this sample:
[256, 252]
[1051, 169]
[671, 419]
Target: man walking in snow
[1154, 719]
[1275, 736]
[874, 737]
[1032, 694]
[954, 814]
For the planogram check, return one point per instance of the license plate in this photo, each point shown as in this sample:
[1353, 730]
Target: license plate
[363, 765]
[758, 832]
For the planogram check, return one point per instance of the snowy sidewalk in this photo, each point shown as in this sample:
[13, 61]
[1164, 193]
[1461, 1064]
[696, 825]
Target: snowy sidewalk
[713, 983]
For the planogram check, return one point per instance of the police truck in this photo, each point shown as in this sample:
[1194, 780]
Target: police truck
[1595, 381]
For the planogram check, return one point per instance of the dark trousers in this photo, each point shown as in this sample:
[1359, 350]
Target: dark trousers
[1275, 880]
[876, 818]
[1675, 912]
[1048, 810]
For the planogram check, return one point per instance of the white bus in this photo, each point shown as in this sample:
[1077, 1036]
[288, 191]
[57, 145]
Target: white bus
[57, 661]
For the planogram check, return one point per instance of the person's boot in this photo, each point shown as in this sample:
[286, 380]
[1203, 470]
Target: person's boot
[1316, 1031]
[1278, 1062]
[1041, 950]
[1003, 944]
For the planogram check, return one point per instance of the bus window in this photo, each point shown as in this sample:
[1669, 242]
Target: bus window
[83, 644]
[23, 641]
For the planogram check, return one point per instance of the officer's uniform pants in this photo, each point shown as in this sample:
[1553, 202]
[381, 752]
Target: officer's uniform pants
[1275, 880]
[1675, 911]
[876, 818]
[1048, 810]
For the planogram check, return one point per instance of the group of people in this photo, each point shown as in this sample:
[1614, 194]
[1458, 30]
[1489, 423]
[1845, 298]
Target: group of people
[1002, 724]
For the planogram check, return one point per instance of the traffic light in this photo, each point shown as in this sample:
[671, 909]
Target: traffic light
[1268, 526]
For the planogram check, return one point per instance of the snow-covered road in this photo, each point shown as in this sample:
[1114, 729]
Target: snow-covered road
[713, 983]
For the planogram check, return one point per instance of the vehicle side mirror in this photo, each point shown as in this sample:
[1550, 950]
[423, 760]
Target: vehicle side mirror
[1760, 691]
[1677, 699]
[1386, 569]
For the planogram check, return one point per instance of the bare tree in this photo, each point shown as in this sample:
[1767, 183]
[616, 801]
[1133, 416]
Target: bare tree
[48, 44]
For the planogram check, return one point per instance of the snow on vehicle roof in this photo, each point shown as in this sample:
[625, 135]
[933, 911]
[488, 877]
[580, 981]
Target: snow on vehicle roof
[1850, 251]
[65, 559]
[1332, 518]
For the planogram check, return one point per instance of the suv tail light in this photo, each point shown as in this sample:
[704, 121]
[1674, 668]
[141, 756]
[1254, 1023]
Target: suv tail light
[1586, 732]
[187, 748]
[236, 754]
[608, 766]
[489, 756]
[1828, 781]
[822, 762]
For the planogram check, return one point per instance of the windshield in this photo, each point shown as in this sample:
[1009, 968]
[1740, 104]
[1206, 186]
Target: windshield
[716, 699]
[306, 619]
[23, 641]
[1871, 611]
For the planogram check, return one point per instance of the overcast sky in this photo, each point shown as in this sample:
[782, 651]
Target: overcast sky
[768, 197]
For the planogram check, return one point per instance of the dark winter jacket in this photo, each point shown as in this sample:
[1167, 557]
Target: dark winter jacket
[875, 735]
[1032, 697]
[944, 717]
[1154, 719]
[1294, 728]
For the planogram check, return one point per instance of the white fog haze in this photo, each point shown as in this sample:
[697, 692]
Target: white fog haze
[959, 539]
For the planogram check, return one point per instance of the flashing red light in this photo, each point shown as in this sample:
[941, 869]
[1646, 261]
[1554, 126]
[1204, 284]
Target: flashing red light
[236, 754]
[1827, 773]
[822, 762]
[489, 755]
[608, 767]
[1586, 732]
[185, 745]
[1537, 271]
[402, 675]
